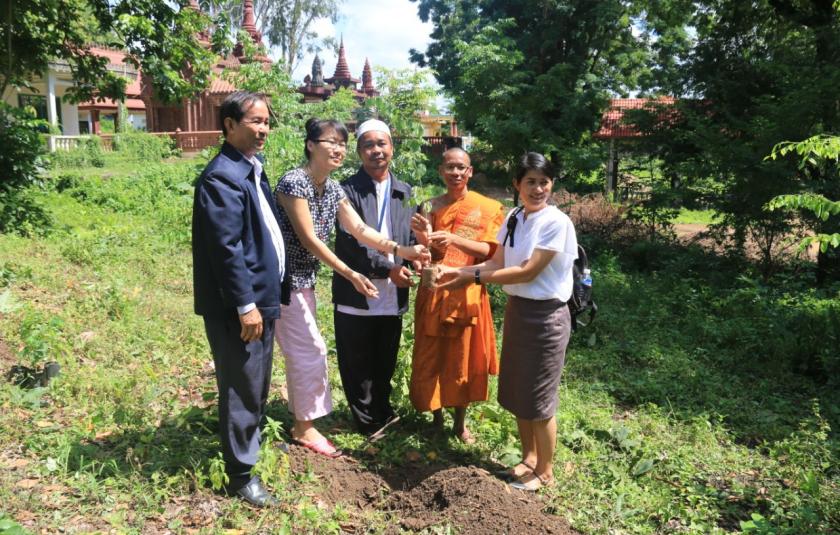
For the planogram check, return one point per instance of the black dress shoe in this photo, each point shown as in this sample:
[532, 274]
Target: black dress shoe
[256, 494]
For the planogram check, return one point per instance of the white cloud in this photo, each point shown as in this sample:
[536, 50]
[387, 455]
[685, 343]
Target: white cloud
[381, 30]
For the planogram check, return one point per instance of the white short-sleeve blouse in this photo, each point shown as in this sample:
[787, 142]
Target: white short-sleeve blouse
[548, 229]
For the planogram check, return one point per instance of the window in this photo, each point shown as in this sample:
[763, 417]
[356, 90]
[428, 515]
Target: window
[39, 103]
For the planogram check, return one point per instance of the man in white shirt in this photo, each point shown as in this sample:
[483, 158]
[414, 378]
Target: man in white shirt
[367, 331]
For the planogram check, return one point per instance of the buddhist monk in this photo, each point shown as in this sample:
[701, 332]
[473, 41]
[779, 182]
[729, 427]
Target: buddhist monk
[454, 342]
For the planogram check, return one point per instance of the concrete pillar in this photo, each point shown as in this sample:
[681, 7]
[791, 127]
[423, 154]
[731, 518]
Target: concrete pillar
[95, 128]
[52, 113]
[612, 169]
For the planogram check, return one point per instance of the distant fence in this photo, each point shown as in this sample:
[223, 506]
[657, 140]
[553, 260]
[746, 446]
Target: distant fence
[185, 141]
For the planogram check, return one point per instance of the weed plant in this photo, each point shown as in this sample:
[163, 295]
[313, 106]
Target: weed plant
[699, 401]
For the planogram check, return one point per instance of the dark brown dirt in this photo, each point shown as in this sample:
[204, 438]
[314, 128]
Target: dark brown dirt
[420, 496]
[7, 357]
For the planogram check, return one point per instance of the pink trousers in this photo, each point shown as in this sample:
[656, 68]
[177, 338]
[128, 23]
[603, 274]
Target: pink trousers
[305, 354]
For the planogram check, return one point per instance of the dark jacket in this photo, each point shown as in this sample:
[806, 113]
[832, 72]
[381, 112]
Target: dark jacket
[370, 262]
[234, 260]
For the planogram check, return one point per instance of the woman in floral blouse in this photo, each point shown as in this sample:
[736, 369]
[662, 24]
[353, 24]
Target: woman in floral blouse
[309, 204]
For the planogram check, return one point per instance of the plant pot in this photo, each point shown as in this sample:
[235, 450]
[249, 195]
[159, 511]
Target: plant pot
[429, 275]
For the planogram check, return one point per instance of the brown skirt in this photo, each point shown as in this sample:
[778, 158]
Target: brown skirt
[535, 337]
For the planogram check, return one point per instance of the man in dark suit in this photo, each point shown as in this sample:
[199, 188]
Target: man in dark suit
[368, 330]
[238, 260]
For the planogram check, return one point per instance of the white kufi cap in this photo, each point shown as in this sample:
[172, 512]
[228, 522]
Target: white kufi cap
[372, 125]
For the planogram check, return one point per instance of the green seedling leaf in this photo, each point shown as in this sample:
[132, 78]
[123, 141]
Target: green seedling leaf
[642, 467]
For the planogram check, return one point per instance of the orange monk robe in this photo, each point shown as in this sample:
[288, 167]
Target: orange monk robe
[454, 340]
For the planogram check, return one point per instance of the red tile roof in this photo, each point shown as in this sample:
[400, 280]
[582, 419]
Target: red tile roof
[130, 103]
[220, 86]
[612, 120]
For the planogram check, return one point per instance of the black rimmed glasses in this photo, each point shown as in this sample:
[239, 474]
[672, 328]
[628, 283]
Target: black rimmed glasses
[332, 143]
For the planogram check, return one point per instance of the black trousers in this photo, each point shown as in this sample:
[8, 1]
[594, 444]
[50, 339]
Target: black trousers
[367, 356]
[243, 375]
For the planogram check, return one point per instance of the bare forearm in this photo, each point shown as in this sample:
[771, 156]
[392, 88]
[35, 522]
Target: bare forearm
[373, 239]
[476, 249]
[508, 275]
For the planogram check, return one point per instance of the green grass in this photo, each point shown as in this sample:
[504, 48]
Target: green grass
[698, 402]
[698, 217]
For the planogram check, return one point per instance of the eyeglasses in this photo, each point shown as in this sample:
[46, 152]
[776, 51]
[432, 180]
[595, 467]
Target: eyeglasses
[331, 143]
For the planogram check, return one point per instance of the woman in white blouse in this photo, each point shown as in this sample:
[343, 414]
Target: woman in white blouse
[535, 266]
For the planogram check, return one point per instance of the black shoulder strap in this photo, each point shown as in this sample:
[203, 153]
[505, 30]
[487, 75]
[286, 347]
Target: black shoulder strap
[582, 259]
[511, 225]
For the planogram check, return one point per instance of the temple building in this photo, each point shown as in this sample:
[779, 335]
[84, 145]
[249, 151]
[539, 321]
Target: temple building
[201, 113]
[316, 88]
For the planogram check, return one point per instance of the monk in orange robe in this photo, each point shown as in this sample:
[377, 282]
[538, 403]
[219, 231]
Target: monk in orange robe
[454, 340]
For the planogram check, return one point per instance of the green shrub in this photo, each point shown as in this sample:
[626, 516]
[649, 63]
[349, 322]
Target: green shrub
[88, 153]
[21, 161]
[144, 147]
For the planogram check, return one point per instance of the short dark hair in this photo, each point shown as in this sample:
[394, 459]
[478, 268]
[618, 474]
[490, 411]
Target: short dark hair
[534, 161]
[237, 104]
[315, 127]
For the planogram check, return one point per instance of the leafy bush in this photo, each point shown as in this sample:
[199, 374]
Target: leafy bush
[594, 215]
[141, 146]
[21, 161]
[88, 153]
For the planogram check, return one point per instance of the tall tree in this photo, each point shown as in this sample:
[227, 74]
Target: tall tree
[754, 75]
[533, 74]
[158, 36]
[287, 24]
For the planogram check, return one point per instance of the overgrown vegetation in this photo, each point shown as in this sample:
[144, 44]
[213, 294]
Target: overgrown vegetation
[700, 401]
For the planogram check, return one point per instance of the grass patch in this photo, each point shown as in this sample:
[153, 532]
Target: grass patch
[699, 401]
[696, 217]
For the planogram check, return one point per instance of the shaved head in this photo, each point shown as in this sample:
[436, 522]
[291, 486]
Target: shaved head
[455, 150]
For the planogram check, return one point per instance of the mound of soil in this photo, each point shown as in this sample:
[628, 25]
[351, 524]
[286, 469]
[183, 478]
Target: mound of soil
[420, 496]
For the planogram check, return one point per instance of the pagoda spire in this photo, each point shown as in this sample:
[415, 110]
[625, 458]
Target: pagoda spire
[342, 71]
[249, 25]
[367, 78]
[249, 22]
[317, 73]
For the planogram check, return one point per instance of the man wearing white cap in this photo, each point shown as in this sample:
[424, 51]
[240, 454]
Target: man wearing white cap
[367, 330]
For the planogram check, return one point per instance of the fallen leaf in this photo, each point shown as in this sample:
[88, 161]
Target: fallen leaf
[26, 483]
[44, 423]
[371, 450]
[87, 336]
[102, 435]
[569, 468]
[14, 464]
[413, 456]
[431, 456]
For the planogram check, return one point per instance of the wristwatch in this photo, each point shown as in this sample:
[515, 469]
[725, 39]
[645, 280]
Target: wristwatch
[478, 276]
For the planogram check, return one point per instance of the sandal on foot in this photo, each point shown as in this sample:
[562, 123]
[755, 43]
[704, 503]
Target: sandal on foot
[322, 446]
[532, 485]
[509, 474]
